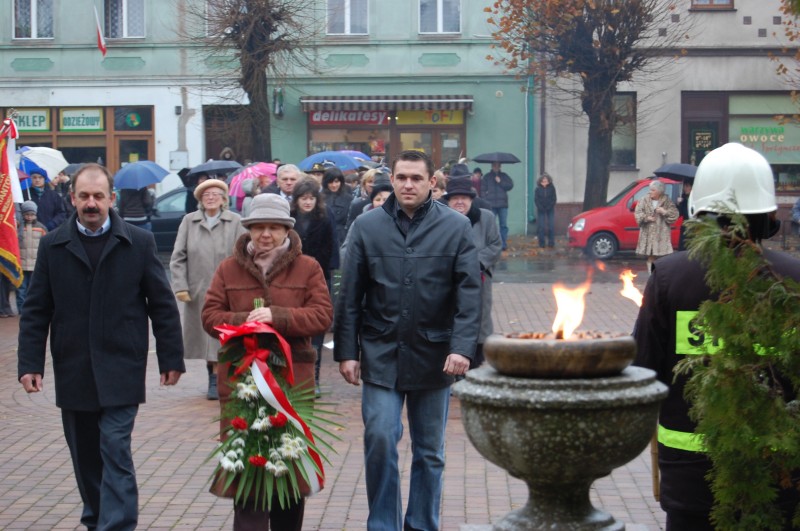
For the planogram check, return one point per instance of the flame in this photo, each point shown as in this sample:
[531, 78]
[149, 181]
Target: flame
[599, 264]
[628, 289]
[570, 306]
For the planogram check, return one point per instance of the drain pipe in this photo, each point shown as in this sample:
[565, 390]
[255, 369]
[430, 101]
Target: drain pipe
[530, 148]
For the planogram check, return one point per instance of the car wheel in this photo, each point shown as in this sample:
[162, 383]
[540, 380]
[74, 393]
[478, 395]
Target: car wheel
[602, 246]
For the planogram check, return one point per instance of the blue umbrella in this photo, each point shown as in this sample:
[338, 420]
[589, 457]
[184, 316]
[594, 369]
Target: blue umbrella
[343, 161]
[356, 154]
[136, 175]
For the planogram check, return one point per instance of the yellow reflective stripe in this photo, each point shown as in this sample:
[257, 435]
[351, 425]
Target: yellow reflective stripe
[688, 339]
[681, 440]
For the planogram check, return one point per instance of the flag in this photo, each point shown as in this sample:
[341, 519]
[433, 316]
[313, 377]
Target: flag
[9, 242]
[101, 40]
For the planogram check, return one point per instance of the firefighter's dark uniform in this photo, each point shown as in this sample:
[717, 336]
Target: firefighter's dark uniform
[664, 334]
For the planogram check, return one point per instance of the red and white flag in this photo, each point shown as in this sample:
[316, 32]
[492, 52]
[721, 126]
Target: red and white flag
[101, 40]
[9, 244]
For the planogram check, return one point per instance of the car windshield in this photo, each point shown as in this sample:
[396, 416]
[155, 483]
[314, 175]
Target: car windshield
[617, 198]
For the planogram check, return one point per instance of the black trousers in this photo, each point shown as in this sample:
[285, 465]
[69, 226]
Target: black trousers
[100, 446]
[250, 519]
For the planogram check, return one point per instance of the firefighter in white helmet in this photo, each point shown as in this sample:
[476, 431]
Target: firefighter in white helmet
[732, 178]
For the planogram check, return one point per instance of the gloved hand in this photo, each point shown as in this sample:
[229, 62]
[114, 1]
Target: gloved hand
[183, 296]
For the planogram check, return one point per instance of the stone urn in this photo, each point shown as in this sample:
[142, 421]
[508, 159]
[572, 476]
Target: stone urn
[559, 414]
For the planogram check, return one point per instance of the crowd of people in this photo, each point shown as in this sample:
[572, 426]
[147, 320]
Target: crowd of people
[415, 248]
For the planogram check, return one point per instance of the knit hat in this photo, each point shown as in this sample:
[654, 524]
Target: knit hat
[29, 206]
[269, 208]
[208, 183]
[460, 186]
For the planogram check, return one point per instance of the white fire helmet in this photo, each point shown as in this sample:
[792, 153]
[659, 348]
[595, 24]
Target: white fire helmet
[733, 178]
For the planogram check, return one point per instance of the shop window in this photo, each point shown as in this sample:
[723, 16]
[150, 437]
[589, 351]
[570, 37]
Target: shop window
[440, 16]
[124, 18]
[133, 118]
[370, 141]
[712, 4]
[623, 139]
[348, 17]
[33, 19]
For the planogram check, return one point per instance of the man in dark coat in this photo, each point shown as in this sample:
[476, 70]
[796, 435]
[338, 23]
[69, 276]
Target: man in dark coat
[407, 321]
[495, 186]
[96, 281]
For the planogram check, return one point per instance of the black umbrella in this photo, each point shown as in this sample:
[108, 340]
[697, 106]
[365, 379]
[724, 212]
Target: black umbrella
[497, 156]
[71, 169]
[215, 167]
[677, 170]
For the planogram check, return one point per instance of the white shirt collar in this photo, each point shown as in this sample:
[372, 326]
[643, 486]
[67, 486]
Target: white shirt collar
[102, 230]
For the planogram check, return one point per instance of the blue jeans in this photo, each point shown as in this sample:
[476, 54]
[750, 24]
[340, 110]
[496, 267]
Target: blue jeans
[501, 214]
[427, 410]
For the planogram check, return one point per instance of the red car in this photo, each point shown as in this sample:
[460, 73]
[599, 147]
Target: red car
[604, 231]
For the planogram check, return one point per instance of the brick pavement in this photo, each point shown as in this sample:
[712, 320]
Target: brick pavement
[174, 434]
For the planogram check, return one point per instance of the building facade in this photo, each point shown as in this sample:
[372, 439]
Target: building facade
[388, 76]
[720, 87]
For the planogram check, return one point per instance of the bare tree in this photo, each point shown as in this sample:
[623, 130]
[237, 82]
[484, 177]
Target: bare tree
[583, 50]
[265, 39]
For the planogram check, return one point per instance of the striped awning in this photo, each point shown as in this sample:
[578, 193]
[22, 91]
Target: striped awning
[385, 103]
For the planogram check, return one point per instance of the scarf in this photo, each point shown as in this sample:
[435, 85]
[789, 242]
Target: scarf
[265, 259]
[212, 220]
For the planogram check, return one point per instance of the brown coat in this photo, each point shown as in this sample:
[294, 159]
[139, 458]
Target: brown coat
[654, 236]
[296, 292]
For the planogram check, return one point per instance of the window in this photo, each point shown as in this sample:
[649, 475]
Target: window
[623, 139]
[712, 4]
[347, 17]
[33, 19]
[440, 16]
[124, 18]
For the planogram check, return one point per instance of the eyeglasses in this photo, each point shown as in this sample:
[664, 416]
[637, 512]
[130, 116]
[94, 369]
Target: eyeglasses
[206, 195]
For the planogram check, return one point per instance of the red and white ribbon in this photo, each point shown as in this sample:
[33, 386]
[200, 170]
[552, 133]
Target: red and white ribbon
[271, 391]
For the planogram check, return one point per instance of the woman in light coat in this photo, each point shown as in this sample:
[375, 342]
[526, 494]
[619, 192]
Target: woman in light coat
[205, 238]
[655, 213]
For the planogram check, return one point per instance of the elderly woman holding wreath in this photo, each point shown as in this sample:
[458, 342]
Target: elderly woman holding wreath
[268, 264]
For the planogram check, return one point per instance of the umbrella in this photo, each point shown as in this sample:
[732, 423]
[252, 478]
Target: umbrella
[50, 160]
[136, 175]
[212, 166]
[341, 160]
[251, 171]
[677, 170]
[73, 168]
[356, 154]
[497, 156]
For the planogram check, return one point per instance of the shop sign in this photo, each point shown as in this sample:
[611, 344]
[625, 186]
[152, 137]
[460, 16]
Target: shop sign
[81, 120]
[33, 120]
[430, 117]
[779, 143]
[348, 117]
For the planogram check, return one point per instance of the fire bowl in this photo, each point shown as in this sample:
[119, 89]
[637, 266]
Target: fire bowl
[587, 356]
[559, 435]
